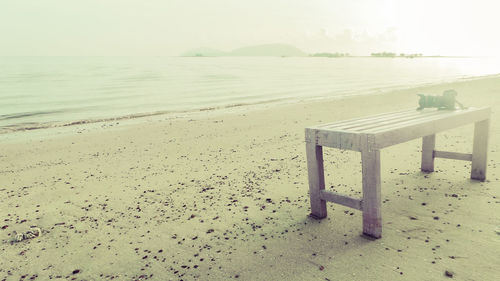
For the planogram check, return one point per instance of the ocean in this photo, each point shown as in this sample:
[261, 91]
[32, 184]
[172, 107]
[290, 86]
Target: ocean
[38, 92]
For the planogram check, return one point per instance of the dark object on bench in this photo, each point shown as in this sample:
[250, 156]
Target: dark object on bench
[446, 101]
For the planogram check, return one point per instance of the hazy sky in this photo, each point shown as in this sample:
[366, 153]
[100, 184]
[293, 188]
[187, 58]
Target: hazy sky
[170, 27]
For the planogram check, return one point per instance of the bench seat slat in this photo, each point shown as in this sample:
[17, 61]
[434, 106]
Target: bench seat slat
[408, 131]
[392, 128]
[367, 121]
[447, 116]
[371, 121]
[385, 123]
[350, 121]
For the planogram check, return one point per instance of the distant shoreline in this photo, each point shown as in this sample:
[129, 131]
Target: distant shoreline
[183, 56]
[286, 50]
[344, 57]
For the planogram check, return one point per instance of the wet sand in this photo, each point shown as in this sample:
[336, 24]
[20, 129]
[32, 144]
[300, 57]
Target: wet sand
[224, 195]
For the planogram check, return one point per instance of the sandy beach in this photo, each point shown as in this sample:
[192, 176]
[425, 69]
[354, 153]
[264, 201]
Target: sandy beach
[222, 195]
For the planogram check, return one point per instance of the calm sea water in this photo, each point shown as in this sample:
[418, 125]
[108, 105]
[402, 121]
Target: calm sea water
[58, 90]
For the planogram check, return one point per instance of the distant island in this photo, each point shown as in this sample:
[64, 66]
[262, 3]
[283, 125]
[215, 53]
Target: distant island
[330, 55]
[393, 55]
[266, 50]
[282, 50]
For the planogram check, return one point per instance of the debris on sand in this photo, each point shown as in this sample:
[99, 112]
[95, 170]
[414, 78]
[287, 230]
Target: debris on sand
[30, 234]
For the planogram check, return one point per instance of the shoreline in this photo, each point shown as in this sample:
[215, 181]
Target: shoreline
[223, 195]
[241, 106]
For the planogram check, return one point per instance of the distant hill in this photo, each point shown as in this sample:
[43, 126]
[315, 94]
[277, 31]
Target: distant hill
[267, 50]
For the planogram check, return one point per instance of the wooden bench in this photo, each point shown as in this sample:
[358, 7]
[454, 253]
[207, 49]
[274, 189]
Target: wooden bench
[370, 134]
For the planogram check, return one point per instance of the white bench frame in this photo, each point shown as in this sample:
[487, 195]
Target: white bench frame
[370, 134]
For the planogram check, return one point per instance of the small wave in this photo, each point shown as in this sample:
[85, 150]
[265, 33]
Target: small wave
[28, 126]
[28, 114]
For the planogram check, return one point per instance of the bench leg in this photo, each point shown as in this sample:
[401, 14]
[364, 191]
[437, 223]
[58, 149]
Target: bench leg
[480, 150]
[316, 179]
[372, 216]
[428, 146]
